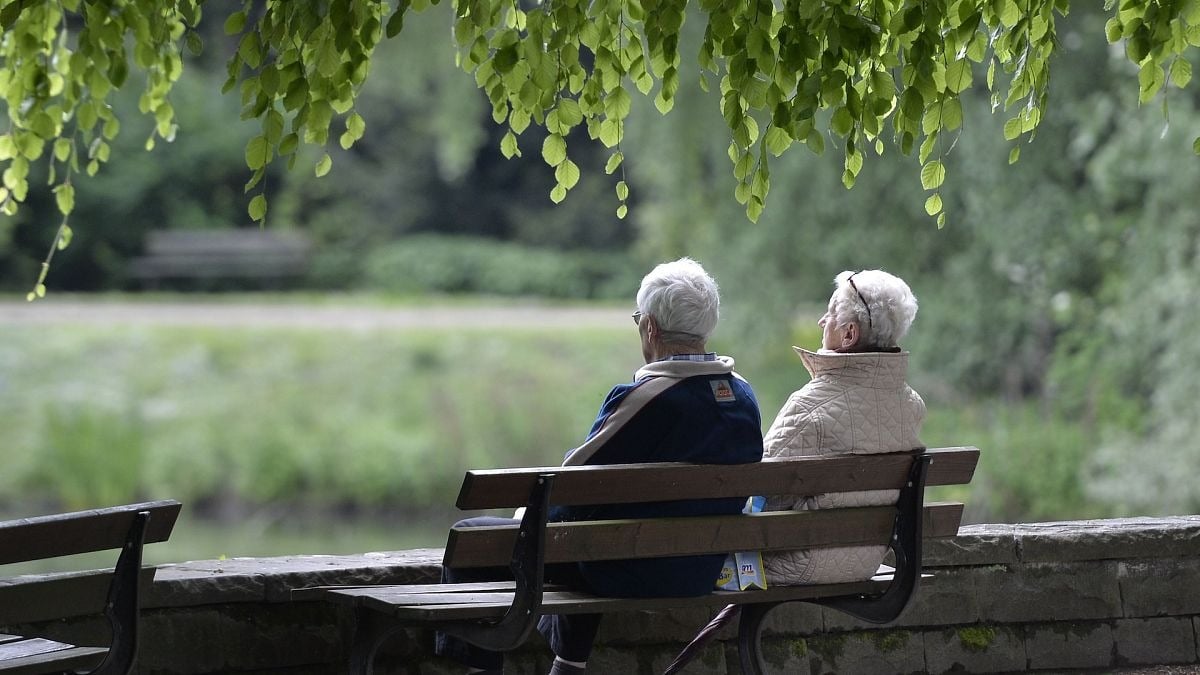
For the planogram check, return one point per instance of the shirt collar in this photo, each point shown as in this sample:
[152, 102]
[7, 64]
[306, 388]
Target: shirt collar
[710, 356]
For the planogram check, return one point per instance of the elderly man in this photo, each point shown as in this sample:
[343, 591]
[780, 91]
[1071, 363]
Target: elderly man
[857, 402]
[685, 405]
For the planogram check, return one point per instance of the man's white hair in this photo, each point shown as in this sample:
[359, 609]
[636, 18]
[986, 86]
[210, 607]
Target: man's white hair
[889, 310]
[682, 298]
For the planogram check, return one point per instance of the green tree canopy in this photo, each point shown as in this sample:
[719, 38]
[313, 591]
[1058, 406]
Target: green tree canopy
[862, 73]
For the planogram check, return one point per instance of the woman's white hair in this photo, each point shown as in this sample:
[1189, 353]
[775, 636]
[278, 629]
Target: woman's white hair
[889, 308]
[682, 298]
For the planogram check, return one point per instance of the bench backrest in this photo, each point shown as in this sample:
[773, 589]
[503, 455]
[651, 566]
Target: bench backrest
[656, 537]
[55, 596]
[63, 534]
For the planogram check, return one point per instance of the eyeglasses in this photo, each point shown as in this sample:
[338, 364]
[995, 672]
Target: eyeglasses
[637, 318]
[867, 307]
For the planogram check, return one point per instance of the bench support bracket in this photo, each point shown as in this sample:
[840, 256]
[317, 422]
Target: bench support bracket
[527, 568]
[121, 610]
[906, 545]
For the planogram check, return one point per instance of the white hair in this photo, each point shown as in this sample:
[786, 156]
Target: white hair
[682, 298]
[889, 310]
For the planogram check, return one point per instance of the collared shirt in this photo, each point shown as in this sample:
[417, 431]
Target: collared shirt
[710, 356]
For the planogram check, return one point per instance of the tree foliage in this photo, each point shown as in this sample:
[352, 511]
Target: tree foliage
[856, 72]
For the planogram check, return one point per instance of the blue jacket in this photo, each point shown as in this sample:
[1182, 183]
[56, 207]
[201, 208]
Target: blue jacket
[677, 411]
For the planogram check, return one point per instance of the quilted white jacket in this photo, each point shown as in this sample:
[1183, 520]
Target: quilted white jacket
[855, 403]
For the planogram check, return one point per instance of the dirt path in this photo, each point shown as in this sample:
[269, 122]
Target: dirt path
[331, 314]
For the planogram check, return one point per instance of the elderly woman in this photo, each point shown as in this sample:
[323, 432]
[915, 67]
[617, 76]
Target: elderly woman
[857, 402]
[685, 405]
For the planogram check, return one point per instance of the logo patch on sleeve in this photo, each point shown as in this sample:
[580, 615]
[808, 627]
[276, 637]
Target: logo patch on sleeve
[722, 391]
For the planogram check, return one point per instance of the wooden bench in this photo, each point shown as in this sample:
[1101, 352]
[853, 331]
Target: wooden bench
[500, 616]
[114, 594]
[215, 255]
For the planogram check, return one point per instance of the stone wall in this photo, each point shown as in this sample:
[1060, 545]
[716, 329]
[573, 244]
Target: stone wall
[1049, 596]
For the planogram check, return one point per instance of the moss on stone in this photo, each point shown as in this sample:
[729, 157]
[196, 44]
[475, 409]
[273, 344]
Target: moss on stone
[890, 640]
[799, 647]
[829, 646]
[976, 638]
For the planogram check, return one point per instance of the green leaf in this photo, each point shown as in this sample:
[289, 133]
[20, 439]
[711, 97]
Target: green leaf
[64, 197]
[324, 165]
[958, 76]
[569, 112]
[257, 208]
[1012, 128]
[236, 23]
[933, 175]
[842, 122]
[509, 147]
[933, 205]
[558, 194]
[1196, 145]
[622, 211]
[622, 190]
[395, 23]
[62, 149]
[554, 149]
[257, 153]
[1150, 80]
[65, 237]
[614, 161]
[567, 174]
[1014, 155]
[777, 140]
[1113, 30]
[1181, 72]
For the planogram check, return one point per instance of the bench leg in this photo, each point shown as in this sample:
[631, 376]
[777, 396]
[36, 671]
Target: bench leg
[371, 630]
[750, 637]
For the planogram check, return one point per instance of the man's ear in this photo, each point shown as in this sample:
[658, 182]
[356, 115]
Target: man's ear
[850, 336]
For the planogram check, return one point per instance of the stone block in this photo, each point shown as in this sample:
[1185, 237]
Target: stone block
[675, 626]
[1155, 641]
[794, 619]
[606, 659]
[781, 655]
[975, 649]
[710, 661]
[239, 637]
[1108, 539]
[253, 579]
[1160, 587]
[948, 598]
[1048, 592]
[1069, 644]
[974, 545]
[879, 651]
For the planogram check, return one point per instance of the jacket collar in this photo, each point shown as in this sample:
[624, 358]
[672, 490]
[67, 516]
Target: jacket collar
[873, 369]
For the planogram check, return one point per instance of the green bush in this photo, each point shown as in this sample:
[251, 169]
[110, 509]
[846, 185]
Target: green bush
[444, 264]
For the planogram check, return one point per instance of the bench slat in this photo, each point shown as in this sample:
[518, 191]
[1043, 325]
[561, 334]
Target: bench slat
[27, 599]
[82, 531]
[662, 537]
[393, 600]
[632, 483]
[36, 655]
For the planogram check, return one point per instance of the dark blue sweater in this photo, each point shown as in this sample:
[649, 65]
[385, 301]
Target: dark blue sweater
[708, 419]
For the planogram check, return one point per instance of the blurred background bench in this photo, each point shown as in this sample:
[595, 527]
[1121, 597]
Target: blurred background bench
[270, 258]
